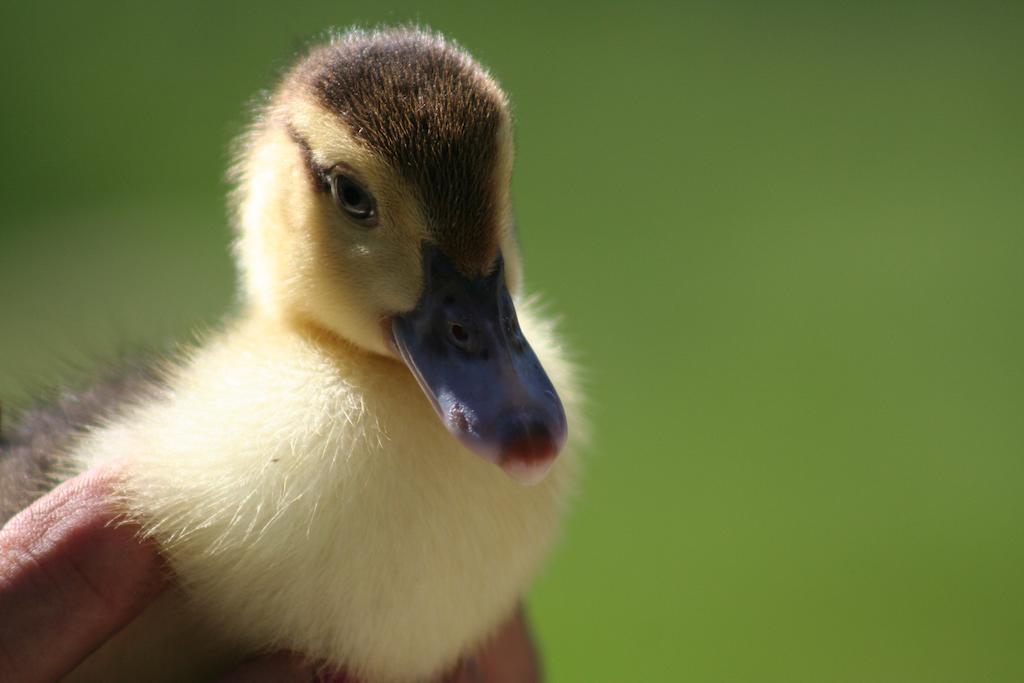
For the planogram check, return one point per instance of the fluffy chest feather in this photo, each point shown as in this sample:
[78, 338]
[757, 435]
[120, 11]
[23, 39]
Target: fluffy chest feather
[311, 500]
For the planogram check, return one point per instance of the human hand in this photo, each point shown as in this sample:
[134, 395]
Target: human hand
[70, 580]
[509, 658]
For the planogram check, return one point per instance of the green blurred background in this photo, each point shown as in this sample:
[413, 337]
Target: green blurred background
[787, 241]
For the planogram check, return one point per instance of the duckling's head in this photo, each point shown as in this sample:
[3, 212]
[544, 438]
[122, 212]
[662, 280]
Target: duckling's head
[373, 203]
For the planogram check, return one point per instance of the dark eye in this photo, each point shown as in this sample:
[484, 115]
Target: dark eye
[354, 199]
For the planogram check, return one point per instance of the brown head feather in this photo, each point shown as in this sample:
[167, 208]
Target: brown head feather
[434, 114]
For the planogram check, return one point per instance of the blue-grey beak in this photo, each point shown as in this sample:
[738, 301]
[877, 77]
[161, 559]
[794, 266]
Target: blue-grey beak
[464, 345]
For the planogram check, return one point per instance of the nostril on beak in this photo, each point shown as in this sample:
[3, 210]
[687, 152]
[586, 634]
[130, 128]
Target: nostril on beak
[459, 335]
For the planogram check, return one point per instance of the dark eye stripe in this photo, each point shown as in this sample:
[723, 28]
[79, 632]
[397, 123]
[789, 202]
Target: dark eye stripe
[318, 175]
[350, 195]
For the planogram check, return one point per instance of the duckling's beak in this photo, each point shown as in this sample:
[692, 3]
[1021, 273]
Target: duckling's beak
[464, 345]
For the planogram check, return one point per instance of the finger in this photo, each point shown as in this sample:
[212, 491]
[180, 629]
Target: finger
[69, 579]
[283, 667]
[510, 657]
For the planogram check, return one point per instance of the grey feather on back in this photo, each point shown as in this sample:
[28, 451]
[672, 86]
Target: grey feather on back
[33, 443]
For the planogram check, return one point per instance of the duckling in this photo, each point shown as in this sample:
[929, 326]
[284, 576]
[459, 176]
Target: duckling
[369, 461]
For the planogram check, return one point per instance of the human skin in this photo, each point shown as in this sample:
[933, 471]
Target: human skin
[70, 579]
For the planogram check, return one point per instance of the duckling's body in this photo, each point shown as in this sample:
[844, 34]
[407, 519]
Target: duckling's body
[308, 498]
[293, 470]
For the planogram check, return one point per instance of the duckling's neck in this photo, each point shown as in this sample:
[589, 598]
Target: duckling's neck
[335, 345]
[301, 326]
